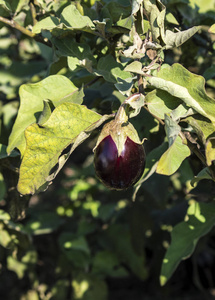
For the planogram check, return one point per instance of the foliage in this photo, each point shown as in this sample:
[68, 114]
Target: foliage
[67, 67]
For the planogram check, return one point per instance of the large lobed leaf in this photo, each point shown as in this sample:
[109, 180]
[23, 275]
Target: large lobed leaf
[69, 123]
[184, 237]
[189, 87]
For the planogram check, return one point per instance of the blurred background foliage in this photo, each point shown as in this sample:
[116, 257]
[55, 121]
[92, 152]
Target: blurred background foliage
[79, 240]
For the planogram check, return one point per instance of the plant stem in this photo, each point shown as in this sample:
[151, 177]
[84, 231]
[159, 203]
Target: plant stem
[140, 84]
[122, 114]
[33, 13]
[157, 118]
[14, 24]
[25, 31]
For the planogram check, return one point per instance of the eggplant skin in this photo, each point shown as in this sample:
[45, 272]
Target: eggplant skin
[119, 172]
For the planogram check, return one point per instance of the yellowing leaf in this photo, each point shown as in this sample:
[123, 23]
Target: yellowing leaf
[54, 88]
[210, 151]
[44, 144]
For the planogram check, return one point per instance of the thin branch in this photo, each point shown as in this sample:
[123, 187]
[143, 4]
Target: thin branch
[140, 84]
[157, 118]
[25, 31]
[33, 13]
[14, 24]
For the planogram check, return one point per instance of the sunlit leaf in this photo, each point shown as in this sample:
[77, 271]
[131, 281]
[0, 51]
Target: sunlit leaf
[67, 125]
[171, 19]
[160, 102]
[212, 29]
[53, 88]
[88, 287]
[171, 160]
[46, 24]
[174, 79]
[210, 150]
[176, 39]
[71, 17]
[184, 237]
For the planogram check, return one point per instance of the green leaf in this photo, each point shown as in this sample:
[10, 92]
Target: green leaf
[182, 111]
[161, 103]
[171, 19]
[76, 53]
[4, 154]
[210, 72]
[68, 242]
[171, 160]
[124, 85]
[203, 174]
[5, 5]
[202, 127]
[75, 249]
[156, 14]
[126, 22]
[44, 145]
[88, 287]
[53, 88]
[210, 150]
[189, 87]
[135, 67]
[46, 113]
[16, 266]
[111, 70]
[172, 129]
[176, 39]
[46, 24]
[203, 5]
[71, 17]
[212, 29]
[100, 26]
[184, 237]
[14, 5]
[106, 263]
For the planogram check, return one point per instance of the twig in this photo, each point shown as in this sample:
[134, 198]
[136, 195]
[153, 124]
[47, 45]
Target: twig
[25, 31]
[140, 84]
[14, 24]
[157, 118]
[33, 13]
